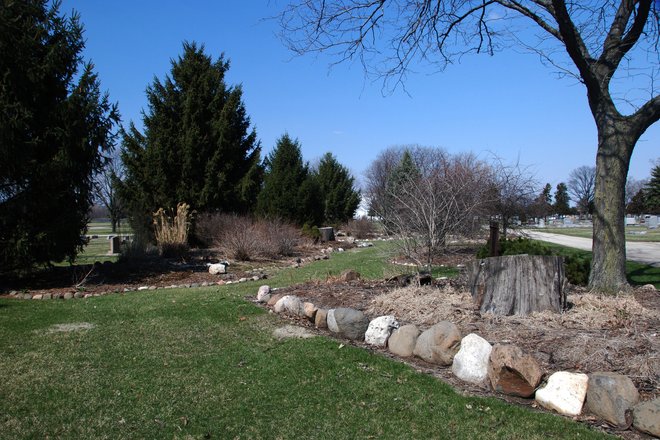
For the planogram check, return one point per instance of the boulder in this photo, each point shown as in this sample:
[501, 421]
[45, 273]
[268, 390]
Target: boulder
[379, 330]
[402, 340]
[646, 417]
[263, 294]
[274, 299]
[565, 393]
[610, 396]
[309, 310]
[349, 275]
[512, 372]
[68, 295]
[321, 319]
[471, 362]
[290, 304]
[349, 323]
[217, 268]
[439, 343]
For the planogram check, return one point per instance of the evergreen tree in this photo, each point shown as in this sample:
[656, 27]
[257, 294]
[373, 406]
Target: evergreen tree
[546, 195]
[290, 192]
[652, 191]
[340, 199]
[197, 145]
[55, 125]
[562, 199]
[637, 205]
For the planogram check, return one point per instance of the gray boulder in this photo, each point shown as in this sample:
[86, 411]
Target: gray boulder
[610, 396]
[263, 295]
[647, 417]
[402, 340]
[321, 318]
[217, 269]
[439, 344]
[379, 330]
[349, 323]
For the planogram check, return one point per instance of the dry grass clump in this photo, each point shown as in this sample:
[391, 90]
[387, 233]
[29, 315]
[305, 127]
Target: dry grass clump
[171, 232]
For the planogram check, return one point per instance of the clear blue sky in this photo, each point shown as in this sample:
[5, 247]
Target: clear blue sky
[508, 104]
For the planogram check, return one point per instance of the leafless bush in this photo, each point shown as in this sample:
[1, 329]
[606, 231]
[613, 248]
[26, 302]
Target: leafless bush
[171, 232]
[278, 239]
[243, 238]
[360, 228]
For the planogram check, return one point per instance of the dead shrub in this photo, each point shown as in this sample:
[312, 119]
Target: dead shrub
[209, 227]
[171, 231]
[243, 238]
[360, 228]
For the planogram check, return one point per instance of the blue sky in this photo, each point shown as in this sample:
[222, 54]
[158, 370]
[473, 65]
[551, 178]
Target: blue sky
[508, 104]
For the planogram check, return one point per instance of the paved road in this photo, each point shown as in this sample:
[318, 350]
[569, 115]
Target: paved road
[641, 251]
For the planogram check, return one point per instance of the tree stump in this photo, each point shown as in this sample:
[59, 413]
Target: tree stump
[518, 284]
[327, 234]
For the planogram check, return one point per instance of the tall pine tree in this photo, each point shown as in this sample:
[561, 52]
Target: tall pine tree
[562, 199]
[340, 199]
[197, 146]
[55, 126]
[652, 191]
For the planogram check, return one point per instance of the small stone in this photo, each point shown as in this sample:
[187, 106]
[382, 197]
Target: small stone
[68, 295]
[152, 287]
[47, 296]
[205, 284]
[88, 295]
[646, 417]
[38, 296]
[263, 294]
[402, 340]
[512, 372]
[78, 295]
[611, 396]
[217, 269]
[141, 288]
[565, 393]
[194, 285]
[310, 310]
[349, 275]
[439, 343]
[289, 304]
[256, 278]
[648, 287]
[242, 280]
[321, 319]
[27, 296]
[13, 293]
[220, 282]
[380, 329]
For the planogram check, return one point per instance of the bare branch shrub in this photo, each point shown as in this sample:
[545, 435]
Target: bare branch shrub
[278, 238]
[238, 239]
[360, 228]
[171, 232]
[444, 196]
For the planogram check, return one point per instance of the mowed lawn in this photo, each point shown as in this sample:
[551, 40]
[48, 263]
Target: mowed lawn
[202, 363]
[633, 233]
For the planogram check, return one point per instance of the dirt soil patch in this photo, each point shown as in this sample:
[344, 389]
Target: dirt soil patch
[598, 333]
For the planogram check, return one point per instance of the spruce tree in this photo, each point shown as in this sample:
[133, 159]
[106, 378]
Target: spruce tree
[197, 146]
[55, 125]
[652, 191]
[562, 199]
[290, 192]
[340, 199]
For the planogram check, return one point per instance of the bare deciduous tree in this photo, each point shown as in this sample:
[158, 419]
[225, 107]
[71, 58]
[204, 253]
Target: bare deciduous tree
[515, 189]
[445, 196]
[601, 43]
[106, 188]
[581, 185]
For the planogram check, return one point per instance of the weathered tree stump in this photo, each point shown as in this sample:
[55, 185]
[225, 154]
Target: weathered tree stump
[327, 234]
[518, 284]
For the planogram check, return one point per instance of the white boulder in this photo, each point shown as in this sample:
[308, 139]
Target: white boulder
[565, 393]
[471, 362]
[217, 268]
[379, 330]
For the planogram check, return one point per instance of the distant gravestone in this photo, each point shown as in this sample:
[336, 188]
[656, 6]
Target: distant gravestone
[115, 244]
[652, 222]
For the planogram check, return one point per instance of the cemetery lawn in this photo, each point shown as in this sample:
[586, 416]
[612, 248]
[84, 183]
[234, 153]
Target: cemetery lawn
[201, 363]
[633, 233]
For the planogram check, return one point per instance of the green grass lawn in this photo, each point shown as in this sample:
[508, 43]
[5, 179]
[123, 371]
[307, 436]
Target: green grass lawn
[201, 363]
[633, 233]
[638, 273]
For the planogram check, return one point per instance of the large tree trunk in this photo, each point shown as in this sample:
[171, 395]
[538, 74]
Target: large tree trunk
[615, 146]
